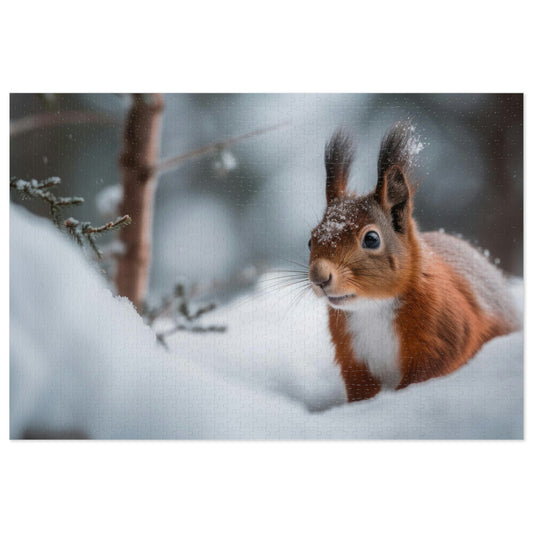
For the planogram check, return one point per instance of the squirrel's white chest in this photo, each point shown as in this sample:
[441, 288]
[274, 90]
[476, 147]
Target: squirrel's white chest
[374, 338]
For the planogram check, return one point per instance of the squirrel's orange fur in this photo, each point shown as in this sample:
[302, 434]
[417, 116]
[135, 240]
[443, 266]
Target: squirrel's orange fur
[447, 298]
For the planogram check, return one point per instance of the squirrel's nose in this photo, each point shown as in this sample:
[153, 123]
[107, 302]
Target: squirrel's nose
[320, 273]
[325, 283]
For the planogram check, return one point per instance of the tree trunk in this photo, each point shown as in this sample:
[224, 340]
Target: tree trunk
[138, 166]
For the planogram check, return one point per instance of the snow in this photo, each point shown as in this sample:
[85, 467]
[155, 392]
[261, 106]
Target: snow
[413, 146]
[20, 184]
[340, 216]
[82, 360]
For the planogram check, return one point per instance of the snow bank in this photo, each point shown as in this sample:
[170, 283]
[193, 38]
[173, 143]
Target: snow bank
[84, 361]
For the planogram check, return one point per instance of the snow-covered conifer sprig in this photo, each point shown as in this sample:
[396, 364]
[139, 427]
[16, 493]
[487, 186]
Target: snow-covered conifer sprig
[41, 190]
[81, 231]
[84, 230]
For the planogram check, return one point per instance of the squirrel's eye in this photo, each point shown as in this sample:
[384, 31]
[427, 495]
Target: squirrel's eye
[371, 240]
[309, 244]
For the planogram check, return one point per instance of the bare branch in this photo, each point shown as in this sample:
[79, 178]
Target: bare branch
[173, 162]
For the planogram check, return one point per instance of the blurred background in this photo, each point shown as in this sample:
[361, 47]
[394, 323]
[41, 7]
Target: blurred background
[252, 205]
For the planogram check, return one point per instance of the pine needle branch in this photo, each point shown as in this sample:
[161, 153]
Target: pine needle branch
[117, 224]
[84, 230]
[81, 231]
[40, 190]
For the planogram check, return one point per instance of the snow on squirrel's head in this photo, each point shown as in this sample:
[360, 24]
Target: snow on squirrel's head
[363, 246]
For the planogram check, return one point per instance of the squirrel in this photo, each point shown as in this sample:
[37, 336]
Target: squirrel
[404, 306]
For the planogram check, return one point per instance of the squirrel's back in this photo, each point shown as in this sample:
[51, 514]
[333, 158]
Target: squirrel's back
[486, 281]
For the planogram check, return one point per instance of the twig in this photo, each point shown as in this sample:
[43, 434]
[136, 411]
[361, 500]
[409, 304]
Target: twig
[39, 189]
[79, 230]
[172, 162]
[119, 222]
[161, 337]
[177, 307]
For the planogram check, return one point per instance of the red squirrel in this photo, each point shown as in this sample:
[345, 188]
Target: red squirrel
[404, 306]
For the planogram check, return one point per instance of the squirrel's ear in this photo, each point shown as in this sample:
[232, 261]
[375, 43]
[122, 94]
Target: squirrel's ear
[393, 194]
[397, 155]
[338, 159]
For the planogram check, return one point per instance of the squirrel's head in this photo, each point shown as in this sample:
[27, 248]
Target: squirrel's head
[363, 246]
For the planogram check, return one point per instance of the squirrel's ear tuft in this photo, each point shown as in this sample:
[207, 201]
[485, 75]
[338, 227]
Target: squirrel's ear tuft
[338, 158]
[399, 147]
[397, 155]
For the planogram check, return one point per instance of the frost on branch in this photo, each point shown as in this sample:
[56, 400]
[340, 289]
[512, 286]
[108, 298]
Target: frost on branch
[41, 190]
[81, 231]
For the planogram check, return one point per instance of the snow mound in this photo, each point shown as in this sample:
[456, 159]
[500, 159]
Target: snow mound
[84, 363]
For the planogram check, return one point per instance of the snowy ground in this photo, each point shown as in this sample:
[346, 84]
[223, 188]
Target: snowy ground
[84, 361]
